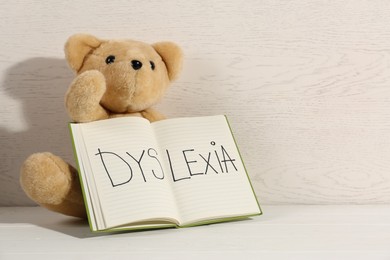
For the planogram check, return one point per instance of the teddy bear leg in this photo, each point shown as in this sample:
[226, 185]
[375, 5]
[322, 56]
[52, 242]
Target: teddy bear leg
[53, 184]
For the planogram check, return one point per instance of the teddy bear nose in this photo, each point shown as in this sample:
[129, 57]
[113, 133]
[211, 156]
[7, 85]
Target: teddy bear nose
[136, 64]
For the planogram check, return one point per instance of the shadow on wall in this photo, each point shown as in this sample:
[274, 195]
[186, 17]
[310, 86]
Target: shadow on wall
[39, 85]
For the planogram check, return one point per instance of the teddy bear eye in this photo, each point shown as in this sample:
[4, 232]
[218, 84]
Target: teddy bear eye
[152, 65]
[110, 59]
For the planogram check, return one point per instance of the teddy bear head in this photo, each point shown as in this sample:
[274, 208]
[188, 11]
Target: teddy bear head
[137, 74]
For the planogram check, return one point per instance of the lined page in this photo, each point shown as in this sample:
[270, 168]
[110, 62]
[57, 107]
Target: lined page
[208, 177]
[87, 184]
[127, 174]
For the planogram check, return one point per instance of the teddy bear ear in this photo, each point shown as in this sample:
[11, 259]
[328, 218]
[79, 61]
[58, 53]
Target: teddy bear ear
[172, 56]
[77, 47]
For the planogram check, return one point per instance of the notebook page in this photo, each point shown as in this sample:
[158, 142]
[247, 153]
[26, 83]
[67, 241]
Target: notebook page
[88, 183]
[208, 177]
[130, 183]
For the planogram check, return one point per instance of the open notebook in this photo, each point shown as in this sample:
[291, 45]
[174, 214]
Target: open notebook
[171, 173]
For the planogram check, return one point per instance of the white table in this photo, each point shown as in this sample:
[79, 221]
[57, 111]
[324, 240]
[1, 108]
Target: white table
[283, 232]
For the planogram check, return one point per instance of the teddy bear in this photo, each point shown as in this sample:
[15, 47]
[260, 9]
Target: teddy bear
[114, 78]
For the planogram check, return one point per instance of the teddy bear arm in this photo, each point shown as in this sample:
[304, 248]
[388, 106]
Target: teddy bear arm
[83, 97]
[152, 115]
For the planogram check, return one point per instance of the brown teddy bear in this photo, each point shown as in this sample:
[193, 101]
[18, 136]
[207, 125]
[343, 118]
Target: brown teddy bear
[114, 78]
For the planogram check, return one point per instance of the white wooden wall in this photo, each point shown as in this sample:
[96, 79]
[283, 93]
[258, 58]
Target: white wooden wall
[306, 85]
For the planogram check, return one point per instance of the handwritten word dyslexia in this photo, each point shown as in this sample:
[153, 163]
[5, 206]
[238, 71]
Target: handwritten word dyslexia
[216, 161]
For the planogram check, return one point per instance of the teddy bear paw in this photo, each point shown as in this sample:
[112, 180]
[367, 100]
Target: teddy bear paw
[45, 178]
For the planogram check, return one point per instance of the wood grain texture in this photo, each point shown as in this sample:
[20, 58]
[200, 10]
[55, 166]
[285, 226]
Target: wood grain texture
[306, 85]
